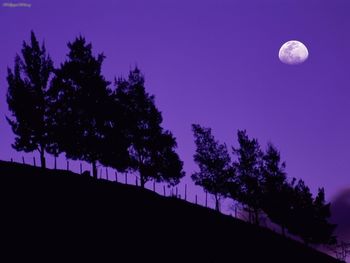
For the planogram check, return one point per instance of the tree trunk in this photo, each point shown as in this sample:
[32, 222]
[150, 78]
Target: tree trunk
[94, 170]
[283, 230]
[142, 179]
[142, 176]
[42, 157]
[217, 203]
[256, 214]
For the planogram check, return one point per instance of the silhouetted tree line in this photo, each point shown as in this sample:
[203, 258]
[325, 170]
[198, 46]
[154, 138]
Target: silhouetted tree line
[73, 110]
[257, 179]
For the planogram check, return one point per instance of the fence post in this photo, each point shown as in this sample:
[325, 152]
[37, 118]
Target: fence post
[67, 165]
[34, 163]
[206, 199]
[196, 199]
[11, 160]
[154, 186]
[176, 192]
[100, 173]
[235, 211]
[164, 190]
[55, 164]
[23, 160]
[107, 174]
[126, 178]
[136, 182]
[81, 168]
[116, 176]
[185, 192]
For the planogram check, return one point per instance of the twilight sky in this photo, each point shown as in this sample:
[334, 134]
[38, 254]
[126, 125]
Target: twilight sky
[215, 63]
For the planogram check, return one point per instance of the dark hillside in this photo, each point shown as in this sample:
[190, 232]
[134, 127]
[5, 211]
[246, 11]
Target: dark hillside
[61, 216]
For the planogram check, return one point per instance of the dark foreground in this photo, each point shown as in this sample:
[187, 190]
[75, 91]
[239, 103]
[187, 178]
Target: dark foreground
[64, 217]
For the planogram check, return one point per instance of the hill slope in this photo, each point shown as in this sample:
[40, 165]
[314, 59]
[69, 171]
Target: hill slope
[58, 215]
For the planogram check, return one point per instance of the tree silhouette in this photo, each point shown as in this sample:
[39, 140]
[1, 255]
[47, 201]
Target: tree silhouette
[302, 212]
[276, 189]
[78, 105]
[26, 98]
[292, 205]
[152, 149]
[249, 173]
[214, 161]
[322, 228]
[80, 116]
[115, 136]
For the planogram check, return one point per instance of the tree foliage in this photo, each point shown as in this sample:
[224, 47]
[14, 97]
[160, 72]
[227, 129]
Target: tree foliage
[309, 216]
[276, 189]
[213, 159]
[27, 98]
[79, 95]
[152, 149]
[249, 173]
[258, 180]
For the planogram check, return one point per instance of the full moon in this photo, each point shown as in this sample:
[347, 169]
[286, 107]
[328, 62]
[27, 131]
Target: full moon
[293, 52]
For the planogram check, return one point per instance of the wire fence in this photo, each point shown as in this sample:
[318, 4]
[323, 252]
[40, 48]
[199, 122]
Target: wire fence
[205, 199]
[105, 173]
[236, 210]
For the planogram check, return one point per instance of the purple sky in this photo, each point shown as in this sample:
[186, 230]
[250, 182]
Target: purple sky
[215, 63]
